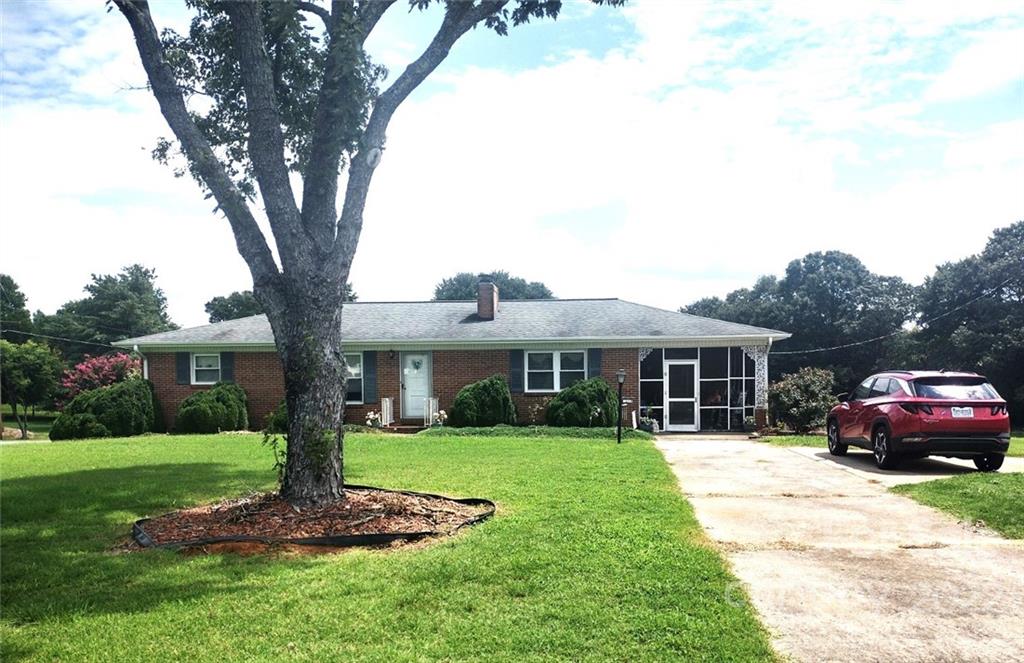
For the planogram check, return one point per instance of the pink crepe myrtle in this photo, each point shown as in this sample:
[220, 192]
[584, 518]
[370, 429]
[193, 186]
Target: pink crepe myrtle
[94, 372]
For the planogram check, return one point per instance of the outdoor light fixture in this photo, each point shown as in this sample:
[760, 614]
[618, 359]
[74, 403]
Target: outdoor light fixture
[620, 375]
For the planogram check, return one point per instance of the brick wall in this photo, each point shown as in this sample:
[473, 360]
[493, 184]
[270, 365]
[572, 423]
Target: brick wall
[261, 375]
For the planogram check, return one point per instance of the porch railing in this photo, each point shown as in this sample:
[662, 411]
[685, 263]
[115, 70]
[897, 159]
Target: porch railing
[387, 412]
[430, 411]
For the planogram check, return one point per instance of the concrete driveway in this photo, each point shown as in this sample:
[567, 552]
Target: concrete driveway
[842, 570]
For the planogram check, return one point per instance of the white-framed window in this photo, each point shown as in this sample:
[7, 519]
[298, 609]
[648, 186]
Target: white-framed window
[354, 390]
[554, 370]
[205, 368]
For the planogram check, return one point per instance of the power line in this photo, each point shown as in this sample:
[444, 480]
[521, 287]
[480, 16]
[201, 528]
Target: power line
[61, 338]
[898, 331]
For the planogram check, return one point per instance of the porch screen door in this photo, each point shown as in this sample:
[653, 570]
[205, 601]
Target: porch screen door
[681, 396]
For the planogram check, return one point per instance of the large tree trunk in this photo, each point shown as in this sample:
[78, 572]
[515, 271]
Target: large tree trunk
[308, 336]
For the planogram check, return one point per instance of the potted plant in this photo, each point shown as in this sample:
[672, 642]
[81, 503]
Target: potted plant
[647, 422]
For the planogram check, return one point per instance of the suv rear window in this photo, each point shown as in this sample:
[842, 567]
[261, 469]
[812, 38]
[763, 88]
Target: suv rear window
[963, 389]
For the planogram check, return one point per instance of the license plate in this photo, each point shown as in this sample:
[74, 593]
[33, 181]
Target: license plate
[962, 412]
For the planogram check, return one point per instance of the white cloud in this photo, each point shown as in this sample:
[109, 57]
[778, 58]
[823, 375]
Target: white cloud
[709, 149]
[993, 61]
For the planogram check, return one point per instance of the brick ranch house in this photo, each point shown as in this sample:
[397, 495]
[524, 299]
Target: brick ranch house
[690, 373]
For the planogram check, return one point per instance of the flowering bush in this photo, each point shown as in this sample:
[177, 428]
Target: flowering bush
[439, 418]
[373, 419]
[801, 400]
[96, 372]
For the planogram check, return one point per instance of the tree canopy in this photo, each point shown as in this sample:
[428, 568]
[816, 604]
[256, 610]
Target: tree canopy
[242, 304]
[28, 376]
[14, 315]
[968, 315]
[118, 306]
[825, 299]
[464, 286]
[986, 334]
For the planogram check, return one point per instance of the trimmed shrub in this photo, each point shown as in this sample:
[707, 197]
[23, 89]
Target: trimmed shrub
[277, 419]
[536, 432]
[484, 403]
[77, 427]
[200, 416]
[157, 424]
[586, 404]
[801, 400]
[234, 400]
[222, 407]
[123, 409]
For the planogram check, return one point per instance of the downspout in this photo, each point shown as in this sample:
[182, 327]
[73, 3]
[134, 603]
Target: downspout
[145, 361]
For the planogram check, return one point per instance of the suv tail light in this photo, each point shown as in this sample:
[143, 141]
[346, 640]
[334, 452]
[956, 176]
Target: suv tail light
[914, 408]
[998, 409]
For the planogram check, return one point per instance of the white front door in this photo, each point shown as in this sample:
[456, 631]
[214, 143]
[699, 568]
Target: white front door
[681, 412]
[416, 385]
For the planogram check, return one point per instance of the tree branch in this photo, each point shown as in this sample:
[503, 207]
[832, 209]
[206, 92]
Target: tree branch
[313, 8]
[369, 12]
[339, 114]
[252, 245]
[266, 140]
[458, 19]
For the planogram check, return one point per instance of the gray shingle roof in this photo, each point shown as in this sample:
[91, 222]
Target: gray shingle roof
[456, 322]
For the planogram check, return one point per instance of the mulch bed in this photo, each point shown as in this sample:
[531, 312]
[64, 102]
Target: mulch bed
[367, 516]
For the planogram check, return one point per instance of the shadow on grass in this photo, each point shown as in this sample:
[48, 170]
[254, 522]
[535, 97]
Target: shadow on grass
[58, 531]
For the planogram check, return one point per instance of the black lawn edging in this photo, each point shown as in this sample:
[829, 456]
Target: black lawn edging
[336, 541]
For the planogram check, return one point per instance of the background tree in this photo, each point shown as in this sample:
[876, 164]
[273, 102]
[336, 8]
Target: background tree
[236, 305]
[825, 299]
[117, 306]
[464, 286]
[28, 376]
[14, 315]
[281, 95]
[243, 304]
[987, 334]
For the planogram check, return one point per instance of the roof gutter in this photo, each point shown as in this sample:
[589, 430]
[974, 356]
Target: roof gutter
[481, 344]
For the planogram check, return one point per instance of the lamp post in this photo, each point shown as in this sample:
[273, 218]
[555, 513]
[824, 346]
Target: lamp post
[620, 375]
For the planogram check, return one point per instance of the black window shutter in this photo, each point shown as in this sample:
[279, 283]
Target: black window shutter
[370, 377]
[594, 363]
[515, 371]
[183, 367]
[227, 367]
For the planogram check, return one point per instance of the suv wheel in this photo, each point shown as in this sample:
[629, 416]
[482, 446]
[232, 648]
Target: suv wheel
[989, 462]
[835, 447]
[881, 446]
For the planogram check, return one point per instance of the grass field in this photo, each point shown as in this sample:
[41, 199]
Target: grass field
[593, 554]
[993, 498]
[1016, 441]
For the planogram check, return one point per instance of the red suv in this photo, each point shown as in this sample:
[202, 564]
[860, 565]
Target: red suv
[913, 414]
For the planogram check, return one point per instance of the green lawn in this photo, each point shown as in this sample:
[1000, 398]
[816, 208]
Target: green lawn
[994, 498]
[1016, 441]
[593, 554]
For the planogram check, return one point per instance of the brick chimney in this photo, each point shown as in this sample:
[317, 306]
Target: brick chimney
[486, 299]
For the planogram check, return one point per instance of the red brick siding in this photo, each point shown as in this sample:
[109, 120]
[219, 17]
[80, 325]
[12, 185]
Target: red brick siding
[261, 375]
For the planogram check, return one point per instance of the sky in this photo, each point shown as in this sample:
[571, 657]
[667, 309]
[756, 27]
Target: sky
[660, 152]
